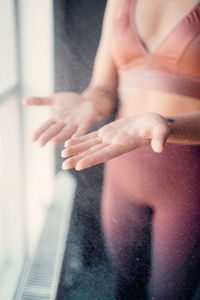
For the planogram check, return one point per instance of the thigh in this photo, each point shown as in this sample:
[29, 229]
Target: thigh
[127, 227]
[175, 260]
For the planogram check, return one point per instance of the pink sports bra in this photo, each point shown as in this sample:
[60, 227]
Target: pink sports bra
[173, 67]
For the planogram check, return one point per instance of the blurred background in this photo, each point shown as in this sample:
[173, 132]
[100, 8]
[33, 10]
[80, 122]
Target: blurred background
[50, 233]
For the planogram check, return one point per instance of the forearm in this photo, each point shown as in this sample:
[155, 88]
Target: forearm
[185, 128]
[104, 100]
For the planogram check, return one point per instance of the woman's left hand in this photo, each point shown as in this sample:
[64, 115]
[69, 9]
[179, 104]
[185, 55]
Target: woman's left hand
[116, 138]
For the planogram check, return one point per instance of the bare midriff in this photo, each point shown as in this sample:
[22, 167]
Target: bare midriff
[135, 101]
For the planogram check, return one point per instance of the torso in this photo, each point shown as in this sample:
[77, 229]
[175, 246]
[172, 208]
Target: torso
[139, 101]
[154, 21]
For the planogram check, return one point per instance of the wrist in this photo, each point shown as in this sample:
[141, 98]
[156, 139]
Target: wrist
[103, 100]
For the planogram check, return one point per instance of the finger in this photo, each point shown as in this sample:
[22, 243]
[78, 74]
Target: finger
[159, 137]
[50, 133]
[81, 147]
[64, 134]
[41, 129]
[71, 162]
[99, 156]
[38, 101]
[81, 139]
[82, 129]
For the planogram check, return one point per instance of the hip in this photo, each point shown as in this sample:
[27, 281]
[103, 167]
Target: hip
[147, 177]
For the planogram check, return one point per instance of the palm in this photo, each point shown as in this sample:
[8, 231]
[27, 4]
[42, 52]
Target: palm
[71, 115]
[116, 138]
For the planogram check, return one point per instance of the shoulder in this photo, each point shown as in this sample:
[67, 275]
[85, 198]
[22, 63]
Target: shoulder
[111, 15]
[113, 8]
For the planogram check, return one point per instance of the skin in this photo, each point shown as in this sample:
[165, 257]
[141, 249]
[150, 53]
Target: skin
[68, 117]
[142, 119]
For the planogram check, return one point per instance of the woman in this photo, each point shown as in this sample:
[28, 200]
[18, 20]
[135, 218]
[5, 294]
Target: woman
[149, 56]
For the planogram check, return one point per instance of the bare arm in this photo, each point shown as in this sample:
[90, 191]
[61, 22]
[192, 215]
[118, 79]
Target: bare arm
[185, 128]
[127, 134]
[103, 85]
[73, 114]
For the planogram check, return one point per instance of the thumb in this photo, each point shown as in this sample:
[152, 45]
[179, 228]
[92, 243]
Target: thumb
[159, 138]
[40, 101]
[81, 130]
[157, 145]
[83, 127]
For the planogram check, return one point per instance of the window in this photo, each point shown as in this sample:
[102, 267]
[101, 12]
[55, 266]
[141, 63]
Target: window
[26, 172]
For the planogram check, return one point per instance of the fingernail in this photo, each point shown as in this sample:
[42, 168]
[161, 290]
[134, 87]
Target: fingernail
[33, 138]
[24, 101]
[41, 144]
[64, 167]
[78, 168]
[63, 154]
[53, 143]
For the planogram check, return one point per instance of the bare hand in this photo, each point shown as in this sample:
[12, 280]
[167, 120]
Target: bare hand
[116, 138]
[72, 116]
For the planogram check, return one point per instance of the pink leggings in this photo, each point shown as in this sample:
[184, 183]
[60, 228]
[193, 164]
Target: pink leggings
[151, 222]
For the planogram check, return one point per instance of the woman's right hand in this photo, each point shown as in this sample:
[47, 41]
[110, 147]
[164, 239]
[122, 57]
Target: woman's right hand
[72, 116]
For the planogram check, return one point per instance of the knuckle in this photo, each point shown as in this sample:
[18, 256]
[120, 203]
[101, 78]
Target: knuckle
[144, 133]
[161, 128]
